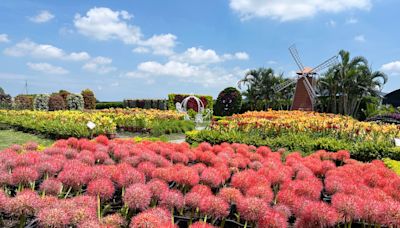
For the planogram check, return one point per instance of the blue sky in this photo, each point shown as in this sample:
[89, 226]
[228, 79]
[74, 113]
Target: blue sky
[149, 48]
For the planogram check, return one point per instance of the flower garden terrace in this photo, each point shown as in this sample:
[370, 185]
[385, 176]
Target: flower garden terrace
[119, 183]
[322, 124]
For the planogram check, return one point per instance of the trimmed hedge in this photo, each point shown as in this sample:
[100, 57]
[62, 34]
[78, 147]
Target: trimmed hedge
[229, 102]
[146, 103]
[174, 98]
[89, 99]
[75, 102]
[5, 101]
[41, 102]
[56, 102]
[362, 151]
[24, 102]
[107, 105]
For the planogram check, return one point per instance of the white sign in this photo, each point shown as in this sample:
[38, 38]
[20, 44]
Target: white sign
[91, 125]
[397, 142]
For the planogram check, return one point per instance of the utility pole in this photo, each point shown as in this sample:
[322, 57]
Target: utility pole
[26, 87]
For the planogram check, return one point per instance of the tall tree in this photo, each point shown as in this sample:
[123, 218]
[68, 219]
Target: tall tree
[348, 82]
[259, 92]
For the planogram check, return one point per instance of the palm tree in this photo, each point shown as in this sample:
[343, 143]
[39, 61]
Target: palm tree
[348, 82]
[259, 90]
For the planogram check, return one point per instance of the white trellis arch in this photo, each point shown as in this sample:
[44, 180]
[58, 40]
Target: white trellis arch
[202, 113]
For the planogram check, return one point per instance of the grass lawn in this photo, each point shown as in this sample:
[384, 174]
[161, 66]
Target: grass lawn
[10, 137]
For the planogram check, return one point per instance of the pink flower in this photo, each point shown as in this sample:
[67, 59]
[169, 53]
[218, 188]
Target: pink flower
[262, 191]
[153, 218]
[203, 190]
[51, 186]
[102, 140]
[192, 199]
[137, 196]
[113, 220]
[214, 206]
[211, 177]
[157, 187]
[316, 214]
[54, 217]
[100, 156]
[26, 203]
[187, 176]
[31, 146]
[230, 195]
[125, 175]
[252, 208]
[349, 206]
[103, 188]
[24, 175]
[147, 168]
[272, 219]
[171, 199]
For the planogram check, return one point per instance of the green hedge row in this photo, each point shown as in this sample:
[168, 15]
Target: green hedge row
[306, 143]
[146, 103]
[107, 105]
[174, 98]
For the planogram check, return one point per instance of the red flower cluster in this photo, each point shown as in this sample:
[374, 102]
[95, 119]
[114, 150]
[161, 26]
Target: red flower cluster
[83, 183]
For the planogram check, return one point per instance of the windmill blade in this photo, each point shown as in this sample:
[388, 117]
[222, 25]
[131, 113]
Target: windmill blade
[328, 63]
[284, 85]
[296, 57]
[310, 90]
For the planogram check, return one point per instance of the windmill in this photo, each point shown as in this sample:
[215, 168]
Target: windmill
[305, 93]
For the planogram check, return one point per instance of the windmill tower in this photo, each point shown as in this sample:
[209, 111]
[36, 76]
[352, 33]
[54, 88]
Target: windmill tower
[305, 92]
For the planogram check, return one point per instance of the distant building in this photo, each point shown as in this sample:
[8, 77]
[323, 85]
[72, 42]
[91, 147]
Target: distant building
[392, 98]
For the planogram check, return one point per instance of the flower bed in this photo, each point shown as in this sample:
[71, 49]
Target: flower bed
[105, 183]
[272, 123]
[63, 124]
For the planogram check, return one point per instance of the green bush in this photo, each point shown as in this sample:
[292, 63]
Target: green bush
[5, 100]
[23, 102]
[64, 94]
[161, 127]
[75, 102]
[146, 103]
[174, 98]
[107, 105]
[89, 99]
[229, 102]
[306, 143]
[393, 165]
[56, 102]
[41, 102]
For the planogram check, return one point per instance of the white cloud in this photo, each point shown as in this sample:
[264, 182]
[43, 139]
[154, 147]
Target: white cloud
[241, 55]
[47, 68]
[44, 51]
[198, 55]
[352, 20]
[106, 24]
[99, 65]
[161, 44]
[360, 38]
[288, 10]
[392, 68]
[141, 50]
[272, 62]
[42, 17]
[199, 74]
[4, 38]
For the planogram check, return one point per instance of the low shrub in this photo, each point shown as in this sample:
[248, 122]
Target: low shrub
[56, 102]
[89, 99]
[392, 164]
[5, 100]
[23, 102]
[306, 143]
[107, 105]
[41, 102]
[75, 102]
[146, 103]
